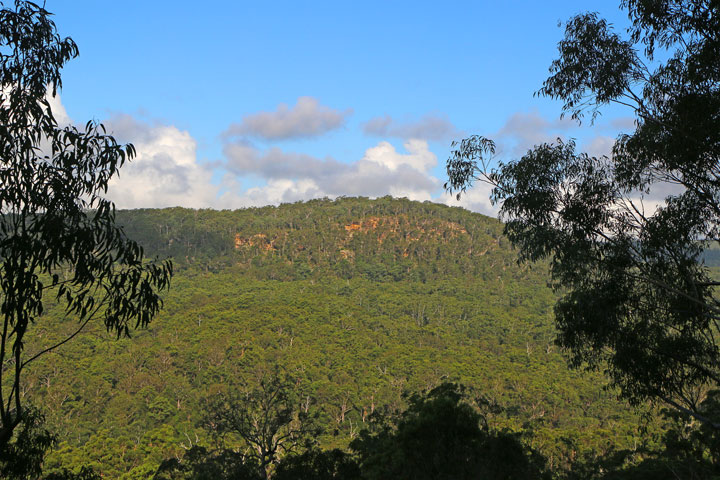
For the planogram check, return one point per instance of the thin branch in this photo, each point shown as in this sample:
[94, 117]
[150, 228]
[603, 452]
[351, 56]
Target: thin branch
[702, 418]
[53, 347]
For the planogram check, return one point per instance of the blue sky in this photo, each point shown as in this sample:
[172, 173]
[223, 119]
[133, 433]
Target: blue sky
[234, 104]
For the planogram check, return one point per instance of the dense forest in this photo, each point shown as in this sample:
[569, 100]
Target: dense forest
[360, 303]
[375, 339]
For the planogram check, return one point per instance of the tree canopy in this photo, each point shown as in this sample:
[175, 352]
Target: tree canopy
[267, 418]
[430, 292]
[58, 236]
[440, 436]
[637, 299]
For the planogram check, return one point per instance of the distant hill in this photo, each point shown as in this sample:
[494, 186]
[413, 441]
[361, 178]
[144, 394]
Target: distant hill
[383, 239]
[359, 299]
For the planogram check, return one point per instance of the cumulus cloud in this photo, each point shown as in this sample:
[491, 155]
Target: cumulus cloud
[418, 157]
[165, 172]
[275, 163]
[306, 119]
[429, 127]
[381, 171]
[281, 191]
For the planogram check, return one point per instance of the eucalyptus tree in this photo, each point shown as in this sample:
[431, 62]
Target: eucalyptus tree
[636, 297]
[58, 236]
[269, 418]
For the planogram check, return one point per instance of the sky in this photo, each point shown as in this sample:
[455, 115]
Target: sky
[233, 104]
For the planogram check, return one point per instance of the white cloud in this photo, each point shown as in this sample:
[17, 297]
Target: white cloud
[306, 119]
[418, 157]
[292, 176]
[165, 172]
[275, 163]
[429, 127]
[281, 191]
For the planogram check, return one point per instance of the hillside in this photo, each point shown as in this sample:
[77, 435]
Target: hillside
[384, 239]
[359, 299]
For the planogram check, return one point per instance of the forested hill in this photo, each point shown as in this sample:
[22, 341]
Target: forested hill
[383, 239]
[358, 300]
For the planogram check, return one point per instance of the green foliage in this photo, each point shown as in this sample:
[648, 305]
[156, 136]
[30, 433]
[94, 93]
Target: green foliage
[350, 346]
[84, 473]
[23, 454]
[689, 447]
[200, 464]
[316, 464]
[637, 300]
[267, 418]
[440, 437]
